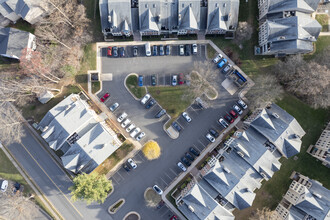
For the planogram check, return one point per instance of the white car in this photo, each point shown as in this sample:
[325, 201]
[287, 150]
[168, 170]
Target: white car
[157, 190]
[242, 104]
[4, 185]
[140, 136]
[210, 137]
[174, 80]
[217, 58]
[186, 116]
[181, 50]
[145, 99]
[238, 109]
[122, 117]
[132, 163]
[223, 122]
[130, 127]
[182, 167]
[135, 132]
[194, 48]
[125, 123]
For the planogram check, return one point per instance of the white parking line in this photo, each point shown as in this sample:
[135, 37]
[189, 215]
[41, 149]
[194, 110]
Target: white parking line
[196, 146]
[120, 175]
[141, 157]
[168, 176]
[115, 180]
[164, 181]
[174, 172]
[201, 142]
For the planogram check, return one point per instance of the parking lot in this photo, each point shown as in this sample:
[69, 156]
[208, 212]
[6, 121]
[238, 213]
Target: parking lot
[131, 185]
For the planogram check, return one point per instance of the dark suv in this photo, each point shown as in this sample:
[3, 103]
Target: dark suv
[188, 49]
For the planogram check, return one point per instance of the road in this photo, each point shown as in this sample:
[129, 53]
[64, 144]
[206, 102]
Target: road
[52, 180]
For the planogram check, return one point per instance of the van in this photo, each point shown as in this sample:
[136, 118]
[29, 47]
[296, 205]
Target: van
[148, 51]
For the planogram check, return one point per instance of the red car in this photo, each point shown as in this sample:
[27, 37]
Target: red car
[229, 119]
[233, 114]
[109, 51]
[174, 218]
[106, 95]
[181, 81]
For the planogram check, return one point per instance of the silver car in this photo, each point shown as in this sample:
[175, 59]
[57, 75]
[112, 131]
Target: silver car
[122, 117]
[145, 99]
[132, 163]
[186, 116]
[223, 122]
[140, 136]
[210, 137]
[130, 128]
[135, 132]
[125, 123]
[182, 167]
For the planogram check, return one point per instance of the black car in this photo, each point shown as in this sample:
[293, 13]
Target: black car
[168, 50]
[214, 133]
[153, 80]
[185, 161]
[188, 49]
[194, 151]
[154, 50]
[115, 51]
[160, 113]
[150, 103]
[135, 51]
[126, 167]
[189, 156]
[176, 126]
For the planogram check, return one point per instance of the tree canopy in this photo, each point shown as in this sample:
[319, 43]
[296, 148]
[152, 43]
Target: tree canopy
[151, 150]
[90, 187]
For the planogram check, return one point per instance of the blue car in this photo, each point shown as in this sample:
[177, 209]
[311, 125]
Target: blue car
[140, 80]
[222, 63]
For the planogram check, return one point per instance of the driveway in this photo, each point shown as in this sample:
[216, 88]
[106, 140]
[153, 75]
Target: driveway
[131, 185]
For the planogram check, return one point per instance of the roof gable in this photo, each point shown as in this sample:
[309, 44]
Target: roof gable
[188, 20]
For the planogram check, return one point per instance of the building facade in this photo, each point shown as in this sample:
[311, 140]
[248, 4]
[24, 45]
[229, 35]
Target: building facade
[321, 149]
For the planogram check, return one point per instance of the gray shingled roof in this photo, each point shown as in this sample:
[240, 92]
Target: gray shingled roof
[189, 10]
[222, 14]
[13, 41]
[307, 6]
[199, 205]
[284, 132]
[120, 14]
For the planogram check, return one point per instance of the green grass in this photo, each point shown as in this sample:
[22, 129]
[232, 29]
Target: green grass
[96, 86]
[23, 26]
[323, 19]
[321, 43]
[132, 85]
[37, 111]
[171, 98]
[93, 13]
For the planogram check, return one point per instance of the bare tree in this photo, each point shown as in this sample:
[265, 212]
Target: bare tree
[266, 89]
[243, 32]
[263, 214]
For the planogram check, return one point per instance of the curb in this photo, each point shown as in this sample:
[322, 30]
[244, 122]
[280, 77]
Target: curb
[133, 74]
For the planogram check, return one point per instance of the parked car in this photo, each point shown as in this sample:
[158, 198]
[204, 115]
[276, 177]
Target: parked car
[210, 137]
[238, 109]
[181, 50]
[161, 50]
[214, 133]
[105, 97]
[194, 48]
[186, 116]
[127, 168]
[233, 114]
[154, 50]
[223, 122]
[140, 136]
[174, 217]
[182, 167]
[130, 127]
[122, 52]
[226, 69]
[114, 106]
[217, 58]
[153, 80]
[174, 80]
[145, 99]
[109, 51]
[140, 80]
[160, 113]
[176, 126]
[168, 50]
[181, 78]
[115, 51]
[150, 103]
[188, 49]
[135, 132]
[125, 123]
[122, 117]
[242, 104]
[222, 63]
[4, 186]
[229, 119]
[185, 161]
[157, 190]
[132, 163]
[189, 156]
[194, 151]
[135, 51]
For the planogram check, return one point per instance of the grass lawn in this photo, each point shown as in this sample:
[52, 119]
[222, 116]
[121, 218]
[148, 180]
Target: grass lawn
[114, 158]
[323, 19]
[95, 86]
[37, 111]
[23, 26]
[171, 98]
[313, 122]
[132, 85]
[93, 13]
[321, 43]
